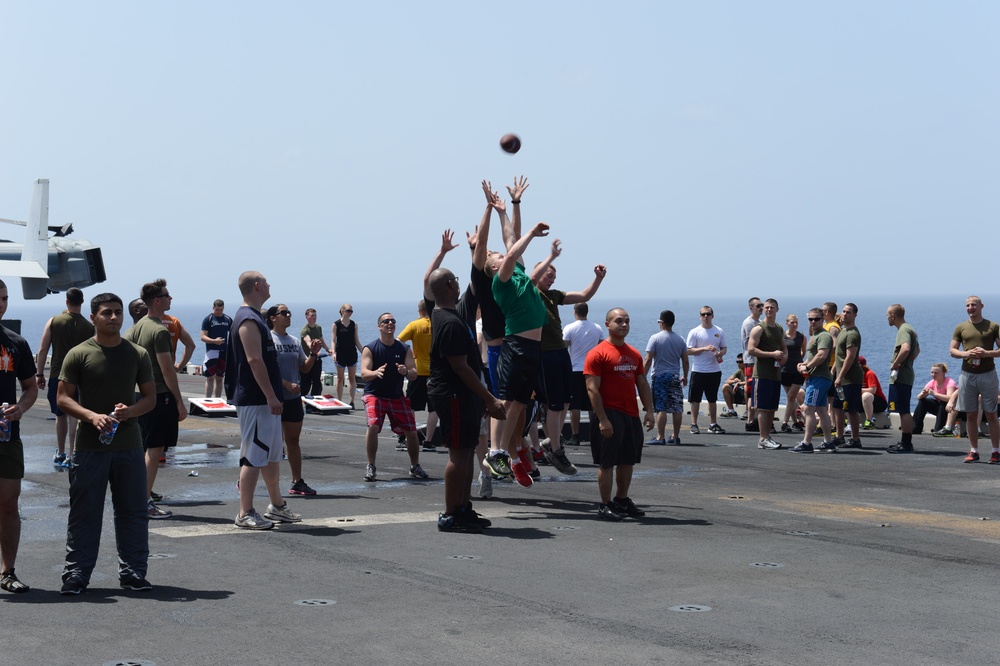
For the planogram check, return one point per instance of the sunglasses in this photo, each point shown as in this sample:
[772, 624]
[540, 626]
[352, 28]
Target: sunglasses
[759, 306]
[707, 314]
[351, 311]
[815, 318]
[283, 313]
[388, 321]
[166, 295]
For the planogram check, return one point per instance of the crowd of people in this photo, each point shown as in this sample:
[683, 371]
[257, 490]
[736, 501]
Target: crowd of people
[491, 364]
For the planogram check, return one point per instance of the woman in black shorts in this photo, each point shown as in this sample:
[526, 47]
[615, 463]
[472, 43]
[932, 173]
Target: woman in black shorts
[346, 346]
[791, 378]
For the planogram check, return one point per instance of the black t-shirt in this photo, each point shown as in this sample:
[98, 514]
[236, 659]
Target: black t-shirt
[450, 336]
[494, 323]
[241, 385]
[17, 363]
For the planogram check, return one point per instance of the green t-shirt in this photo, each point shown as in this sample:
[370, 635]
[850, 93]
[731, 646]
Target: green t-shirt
[552, 339]
[849, 337]
[150, 334]
[106, 376]
[821, 340]
[314, 332]
[519, 301]
[904, 335]
[771, 337]
[67, 330]
[985, 335]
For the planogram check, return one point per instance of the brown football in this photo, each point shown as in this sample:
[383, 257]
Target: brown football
[510, 143]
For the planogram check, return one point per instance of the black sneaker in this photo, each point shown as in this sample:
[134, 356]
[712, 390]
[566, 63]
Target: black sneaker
[628, 507]
[752, 427]
[899, 447]
[535, 474]
[802, 447]
[851, 444]
[72, 586]
[826, 447]
[454, 523]
[155, 496]
[135, 583]
[471, 515]
[610, 511]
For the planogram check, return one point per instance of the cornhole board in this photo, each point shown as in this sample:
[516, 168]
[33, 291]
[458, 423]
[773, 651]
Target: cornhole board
[210, 407]
[325, 404]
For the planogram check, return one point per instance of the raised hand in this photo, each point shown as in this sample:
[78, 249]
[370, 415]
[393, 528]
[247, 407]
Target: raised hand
[446, 241]
[601, 271]
[520, 185]
[541, 229]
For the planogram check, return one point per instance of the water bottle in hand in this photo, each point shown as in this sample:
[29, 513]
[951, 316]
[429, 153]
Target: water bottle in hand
[4, 424]
[107, 435]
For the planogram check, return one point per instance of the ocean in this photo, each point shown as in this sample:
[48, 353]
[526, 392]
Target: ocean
[933, 317]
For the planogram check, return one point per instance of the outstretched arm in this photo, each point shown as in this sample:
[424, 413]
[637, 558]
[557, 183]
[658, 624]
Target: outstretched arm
[446, 246]
[600, 272]
[540, 269]
[515, 191]
[510, 259]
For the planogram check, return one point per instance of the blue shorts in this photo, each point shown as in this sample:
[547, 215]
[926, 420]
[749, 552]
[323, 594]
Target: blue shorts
[852, 398]
[899, 398]
[493, 360]
[766, 393]
[668, 396]
[817, 390]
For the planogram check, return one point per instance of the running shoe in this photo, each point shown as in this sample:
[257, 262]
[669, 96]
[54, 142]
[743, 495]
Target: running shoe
[521, 475]
[535, 475]
[498, 462]
[253, 521]
[674, 440]
[610, 511]
[899, 447]
[628, 507]
[448, 522]
[826, 447]
[428, 447]
[656, 442]
[994, 458]
[281, 514]
[728, 414]
[802, 447]
[300, 487]
[785, 427]
[768, 443]
[369, 472]
[59, 458]
[155, 512]
[135, 583]
[559, 460]
[945, 431]
[485, 486]
[471, 515]
[851, 444]
[156, 497]
[417, 472]
[868, 425]
[694, 430]
[752, 427]
[972, 457]
[716, 429]
[401, 445]
[573, 440]
[538, 456]
[72, 586]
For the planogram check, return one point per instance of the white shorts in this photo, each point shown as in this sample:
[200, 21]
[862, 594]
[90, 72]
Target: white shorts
[260, 435]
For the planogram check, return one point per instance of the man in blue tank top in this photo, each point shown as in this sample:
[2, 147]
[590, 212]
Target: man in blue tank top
[385, 361]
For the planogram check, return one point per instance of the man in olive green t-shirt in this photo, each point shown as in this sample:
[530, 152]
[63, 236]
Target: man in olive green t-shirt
[97, 386]
[767, 345]
[975, 342]
[901, 375]
[848, 375]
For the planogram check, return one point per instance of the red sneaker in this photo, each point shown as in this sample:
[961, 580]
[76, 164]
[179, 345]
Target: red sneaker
[995, 458]
[972, 457]
[521, 475]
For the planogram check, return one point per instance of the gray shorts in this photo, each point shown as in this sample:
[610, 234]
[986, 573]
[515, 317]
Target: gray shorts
[973, 386]
[260, 435]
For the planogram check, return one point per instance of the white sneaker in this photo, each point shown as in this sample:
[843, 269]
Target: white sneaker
[253, 521]
[768, 443]
[282, 514]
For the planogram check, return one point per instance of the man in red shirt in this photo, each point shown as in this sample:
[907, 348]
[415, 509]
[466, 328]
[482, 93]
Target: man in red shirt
[614, 371]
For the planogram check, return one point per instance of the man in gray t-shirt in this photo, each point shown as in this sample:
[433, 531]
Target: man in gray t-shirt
[666, 353]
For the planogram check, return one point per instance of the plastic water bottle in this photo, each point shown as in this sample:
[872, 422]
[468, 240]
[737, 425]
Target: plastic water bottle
[107, 435]
[893, 375]
[4, 425]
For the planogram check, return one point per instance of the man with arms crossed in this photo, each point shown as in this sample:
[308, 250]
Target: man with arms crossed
[666, 352]
[62, 333]
[97, 386]
[706, 345]
[253, 385]
[848, 374]
[18, 366]
[817, 367]
[614, 372]
[767, 346]
[901, 375]
[975, 342]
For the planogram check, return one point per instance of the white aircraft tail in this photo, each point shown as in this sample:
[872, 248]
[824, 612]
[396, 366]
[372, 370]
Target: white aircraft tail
[33, 266]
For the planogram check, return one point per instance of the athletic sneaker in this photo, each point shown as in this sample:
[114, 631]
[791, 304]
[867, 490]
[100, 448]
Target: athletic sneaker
[802, 447]
[300, 487]
[559, 460]
[253, 521]
[826, 447]
[752, 427]
[694, 430]
[135, 583]
[899, 447]
[155, 512]
[728, 414]
[785, 427]
[768, 443]
[716, 429]
[417, 472]
[945, 431]
[994, 458]
[868, 425]
[72, 586]
[521, 475]
[428, 447]
[628, 507]
[455, 523]
[369, 472]
[851, 444]
[282, 514]
[610, 511]
[498, 462]
[401, 445]
[471, 515]
[485, 486]
[656, 442]
[156, 497]
[59, 458]
[674, 440]
[572, 440]
[535, 475]
[538, 456]
[972, 457]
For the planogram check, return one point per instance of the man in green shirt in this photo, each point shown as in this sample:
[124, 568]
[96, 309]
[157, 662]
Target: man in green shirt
[901, 375]
[849, 376]
[816, 367]
[97, 386]
[767, 345]
[975, 342]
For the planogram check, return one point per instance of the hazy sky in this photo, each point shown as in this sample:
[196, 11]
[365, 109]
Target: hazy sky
[684, 144]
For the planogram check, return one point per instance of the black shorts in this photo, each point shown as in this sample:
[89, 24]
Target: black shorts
[520, 363]
[578, 397]
[704, 385]
[12, 460]
[416, 391]
[459, 417]
[899, 399]
[766, 394]
[159, 425]
[624, 447]
[852, 399]
[556, 379]
[292, 411]
[791, 379]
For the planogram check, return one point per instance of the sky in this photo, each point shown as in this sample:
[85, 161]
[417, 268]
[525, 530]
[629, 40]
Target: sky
[695, 148]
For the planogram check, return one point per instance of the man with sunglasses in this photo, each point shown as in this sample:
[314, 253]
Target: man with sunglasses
[706, 346]
[385, 361]
[767, 346]
[756, 308]
[819, 379]
[215, 334]
[159, 426]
